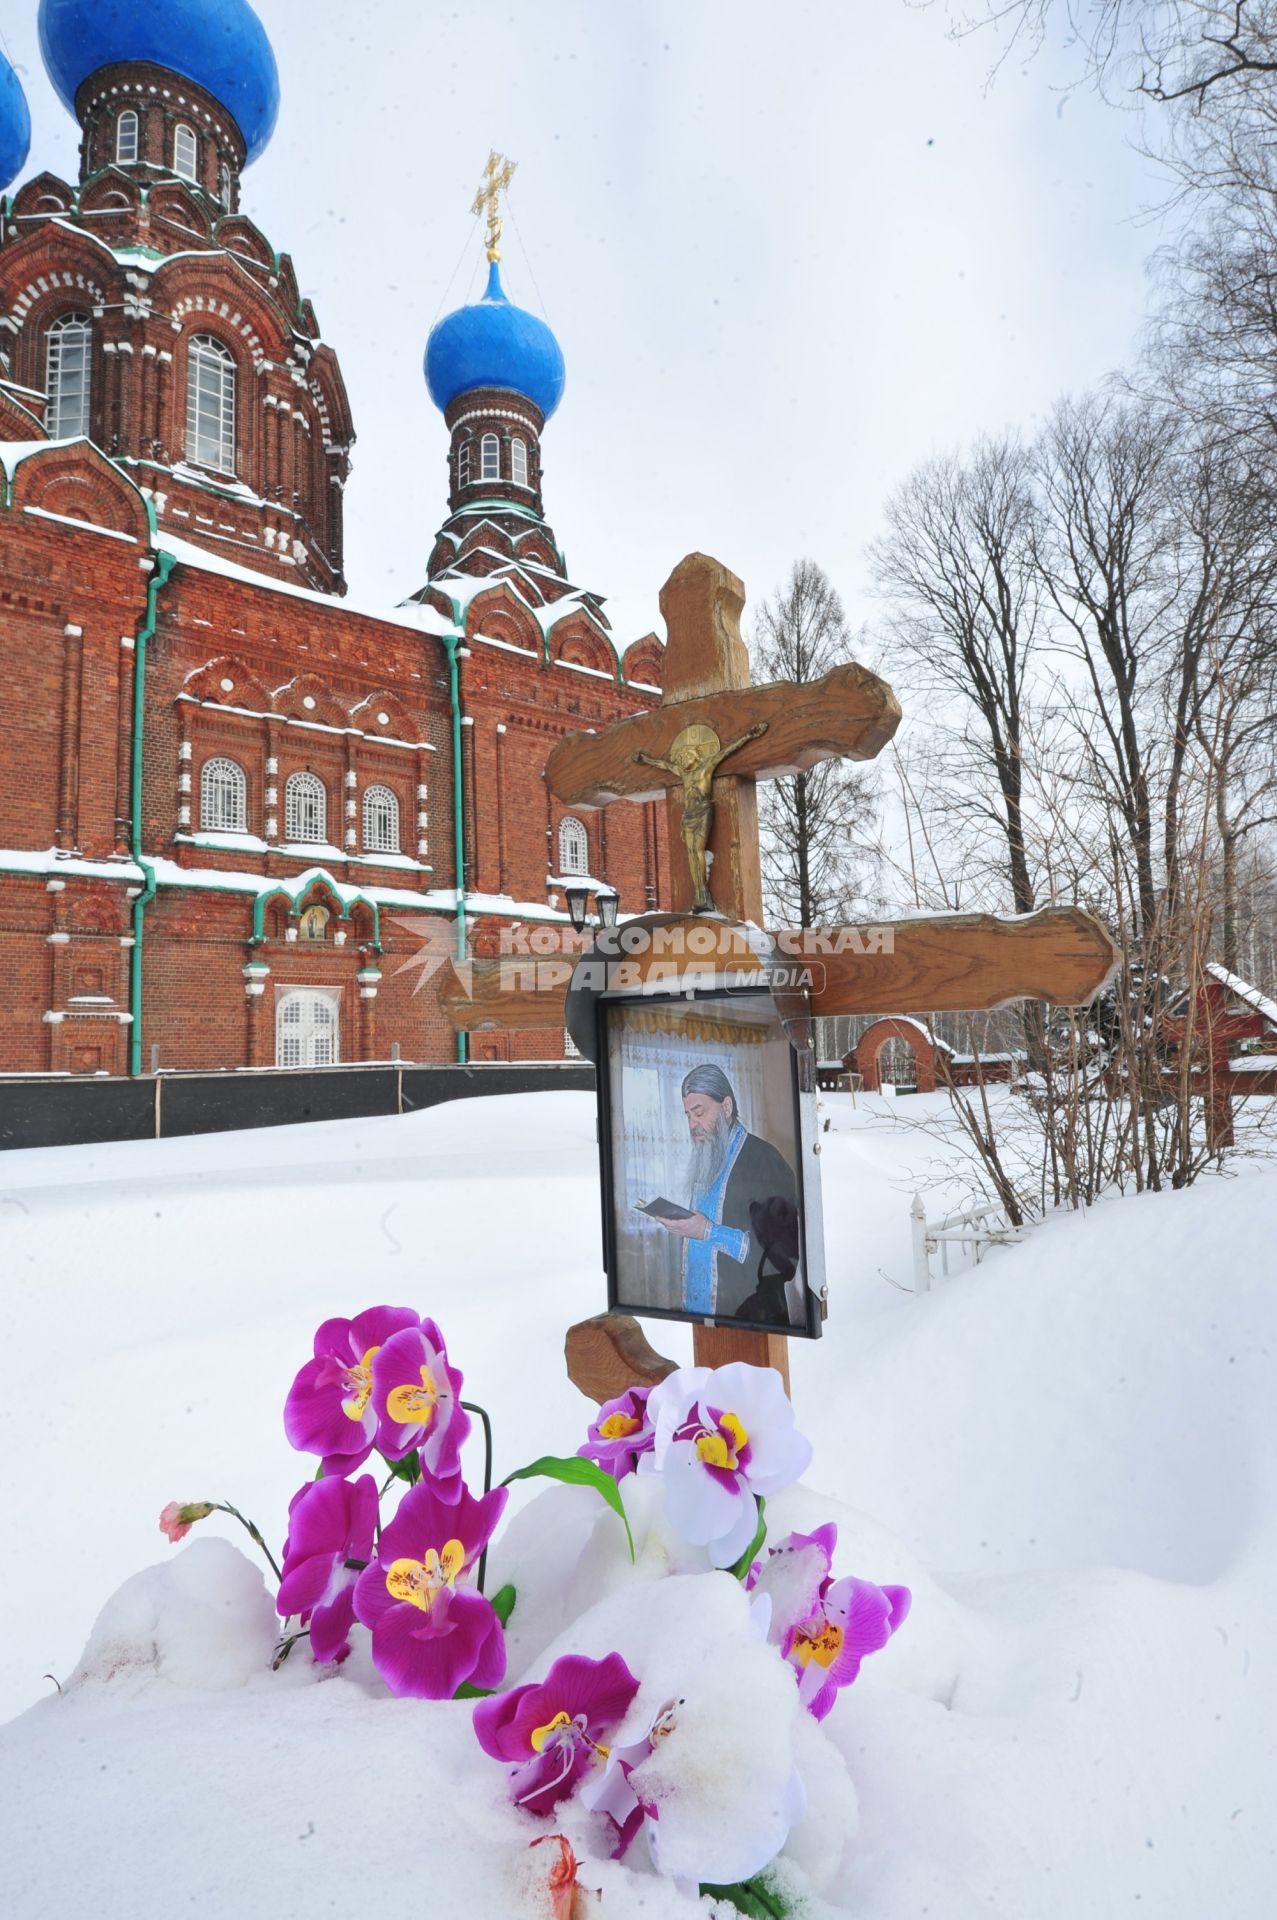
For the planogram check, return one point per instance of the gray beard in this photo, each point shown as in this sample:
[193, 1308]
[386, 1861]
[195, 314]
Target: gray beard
[705, 1161]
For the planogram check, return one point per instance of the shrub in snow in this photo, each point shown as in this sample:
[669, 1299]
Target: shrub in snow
[680, 1708]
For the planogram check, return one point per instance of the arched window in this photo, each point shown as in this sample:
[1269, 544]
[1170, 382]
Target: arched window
[519, 462]
[463, 464]
[306, 1030]
[381, 821]
[186, 154]
[225, 184]
[490, 457]
[67, 376]
[305, 808]
[210, 404]
[223, 797]
[574, 846]
[126, 138]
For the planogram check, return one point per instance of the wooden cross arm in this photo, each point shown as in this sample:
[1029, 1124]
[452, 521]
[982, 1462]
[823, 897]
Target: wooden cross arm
[510, 994]
[960, 963]
[851, 712]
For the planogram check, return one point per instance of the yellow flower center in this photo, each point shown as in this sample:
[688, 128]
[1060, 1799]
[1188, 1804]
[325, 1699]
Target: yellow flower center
[412, 1405]
[823, 1647]
[618, 1426]
[358, 1385]
[716, 1451]
[541, 1734]
[420, 1581]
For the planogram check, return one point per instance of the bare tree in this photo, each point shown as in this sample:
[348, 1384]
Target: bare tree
[815, 827]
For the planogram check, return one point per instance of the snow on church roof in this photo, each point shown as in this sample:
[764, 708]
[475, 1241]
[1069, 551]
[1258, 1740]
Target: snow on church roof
[1244, 991]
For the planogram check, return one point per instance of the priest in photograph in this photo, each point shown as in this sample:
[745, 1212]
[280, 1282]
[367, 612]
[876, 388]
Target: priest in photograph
[741, 1235]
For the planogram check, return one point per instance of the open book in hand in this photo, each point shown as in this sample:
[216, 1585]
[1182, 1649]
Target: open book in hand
[663, 1209]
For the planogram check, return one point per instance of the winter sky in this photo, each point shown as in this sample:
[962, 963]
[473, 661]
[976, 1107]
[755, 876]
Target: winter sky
[788, 251]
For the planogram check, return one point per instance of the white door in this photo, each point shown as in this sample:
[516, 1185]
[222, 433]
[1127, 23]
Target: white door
[306, 1029]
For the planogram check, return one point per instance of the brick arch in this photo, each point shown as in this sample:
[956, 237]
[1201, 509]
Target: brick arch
[179, 211]
[401, 723]
[573, 642]
[205, 683]
[290, 701]
[75, 480]
[239, 235]
[644, 661]
[216, 287]
[46, 194]
[535, 546]
[499, 615]
[111, 190]
[865, 1058]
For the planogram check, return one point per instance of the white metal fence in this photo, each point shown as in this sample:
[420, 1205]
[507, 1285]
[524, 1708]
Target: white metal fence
[971, 1231]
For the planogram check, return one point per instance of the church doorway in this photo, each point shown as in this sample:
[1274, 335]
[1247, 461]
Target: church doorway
[307, 1030]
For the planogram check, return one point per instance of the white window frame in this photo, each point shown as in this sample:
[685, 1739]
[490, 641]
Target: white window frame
[225, 184]
[490, 457]
[305, 1019]
[463, 464]
[519, 462]
[186, 149]
[68, 363]
[210, 404]
[381, 820]
[574, 846]
[223, 796]
[126, 150]
[305, 803]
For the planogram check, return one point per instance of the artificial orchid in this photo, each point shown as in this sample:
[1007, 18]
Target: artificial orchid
[824, 1627]
[431, 1632]
[552, 1731]
[330, 1538]
[723, 1435]
[417, 1402]
[568, 1898]
[329, 1408]
[621, 1433]
[177, 1519]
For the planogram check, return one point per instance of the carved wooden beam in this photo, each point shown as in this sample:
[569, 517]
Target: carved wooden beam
[851, 712]
[610, 1352]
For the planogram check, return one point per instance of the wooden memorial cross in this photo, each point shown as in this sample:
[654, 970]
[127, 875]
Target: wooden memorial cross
[713, 736]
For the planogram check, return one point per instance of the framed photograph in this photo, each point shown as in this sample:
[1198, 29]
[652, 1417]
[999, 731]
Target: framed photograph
[711, 1200]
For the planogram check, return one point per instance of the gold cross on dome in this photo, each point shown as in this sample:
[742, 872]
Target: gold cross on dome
[497, 176]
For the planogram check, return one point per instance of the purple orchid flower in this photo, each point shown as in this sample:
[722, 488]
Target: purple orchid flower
[330, 1523]
[791, 1574]
[553, 1729]
[620, 1434]
[852, 1618]
[430, 1631]
[417, 1401]
[329, 1408]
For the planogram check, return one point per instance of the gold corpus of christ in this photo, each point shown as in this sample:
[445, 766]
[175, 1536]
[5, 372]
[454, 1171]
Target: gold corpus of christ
[694, 758]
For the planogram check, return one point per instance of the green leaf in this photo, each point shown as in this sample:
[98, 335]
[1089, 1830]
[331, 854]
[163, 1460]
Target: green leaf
[466, 1692]
[750, 1554]
[503, 1604]
[576, 1472]
[409, 1468]
[752, 1898]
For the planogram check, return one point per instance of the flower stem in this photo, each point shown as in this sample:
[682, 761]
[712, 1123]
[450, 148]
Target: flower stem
[286, 1646]
[224, 1506]
[471, 1406]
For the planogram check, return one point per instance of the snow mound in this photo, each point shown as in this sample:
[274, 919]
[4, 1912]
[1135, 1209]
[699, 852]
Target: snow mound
[202, 1619]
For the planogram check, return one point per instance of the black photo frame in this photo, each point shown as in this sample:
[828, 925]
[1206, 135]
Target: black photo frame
[784, 1126]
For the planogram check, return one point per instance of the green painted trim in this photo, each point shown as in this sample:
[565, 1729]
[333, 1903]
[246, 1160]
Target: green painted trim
[164, 565]
[295, 894]
[458, 801]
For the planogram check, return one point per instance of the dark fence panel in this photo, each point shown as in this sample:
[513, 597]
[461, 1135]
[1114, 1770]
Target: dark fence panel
[67, 1112]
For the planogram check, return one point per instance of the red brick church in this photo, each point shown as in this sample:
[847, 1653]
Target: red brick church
[221, 783]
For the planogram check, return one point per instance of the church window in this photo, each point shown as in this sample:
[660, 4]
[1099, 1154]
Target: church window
[126, 138]
[210, 404]
[313, 924]
[305, 808]
[186, 154]
[224, 184]
[68, 376]
[519, 462]
[223, 797]
[574, 846]
[306, 1029]
[463, 464]
[490, 457]
[381, 821]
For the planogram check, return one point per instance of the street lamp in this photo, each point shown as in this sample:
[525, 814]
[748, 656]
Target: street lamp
[609, 900]
[577, 896]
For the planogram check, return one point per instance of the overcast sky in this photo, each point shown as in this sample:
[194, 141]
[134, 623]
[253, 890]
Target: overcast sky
[788, 251]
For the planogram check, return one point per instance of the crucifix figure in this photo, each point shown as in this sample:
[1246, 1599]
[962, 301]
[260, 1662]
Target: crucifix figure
[953, 962]
[695, 757]
[497, 175]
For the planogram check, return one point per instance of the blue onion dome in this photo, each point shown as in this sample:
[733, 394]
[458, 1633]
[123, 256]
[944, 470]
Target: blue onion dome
[219, 44]
[15, 125]
[494, 344]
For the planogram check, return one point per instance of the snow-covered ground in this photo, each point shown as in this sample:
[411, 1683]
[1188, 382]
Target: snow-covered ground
[1069, 1455]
